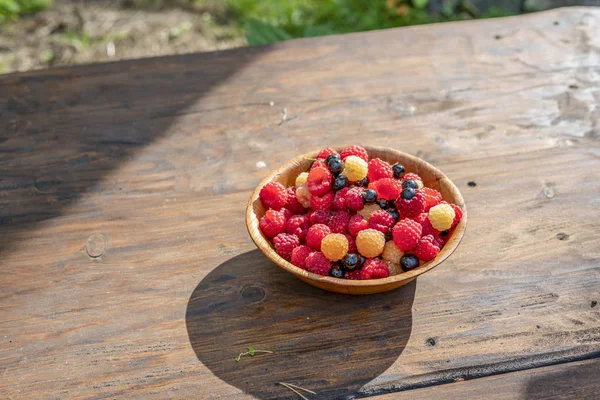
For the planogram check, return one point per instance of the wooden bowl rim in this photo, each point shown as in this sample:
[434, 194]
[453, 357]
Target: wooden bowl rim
[263, 243]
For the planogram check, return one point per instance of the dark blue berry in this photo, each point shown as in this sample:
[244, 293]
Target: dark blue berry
[408, 193]
[398, 170]
[335, 165]
[332, 157]
[392, 204]
[408, 262]
[409, 183]
[362, 262]
[394, 213]
[339, 182]
[351, 261]
[363, 182]
[382, 203]
[369, 196]
[444, 233]
[337, 271]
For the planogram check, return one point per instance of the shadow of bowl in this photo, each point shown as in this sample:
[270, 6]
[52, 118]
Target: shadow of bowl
[330, 343]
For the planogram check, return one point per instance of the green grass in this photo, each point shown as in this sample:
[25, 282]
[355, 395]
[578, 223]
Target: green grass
[13, 9]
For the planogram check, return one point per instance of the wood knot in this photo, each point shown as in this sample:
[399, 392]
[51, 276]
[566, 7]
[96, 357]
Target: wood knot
[548, 190]
[562, 236]
[472, 184]
[252, 294]
[95, 246]
[46, 184]
[430, 342]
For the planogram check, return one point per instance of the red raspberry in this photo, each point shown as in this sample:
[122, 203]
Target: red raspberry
[356, 224]
[428, 229]
[354, 199]
[339, 201]
[426, 249]
[375, 268]
[318, 164]
[286, 213]
[432, 197]
[351, 243]
[339, 222]
[387, 188]
[327, 151]
[272, 223]
[292, 202]
[285, 243]
[320, 217]
[354, 151]
[315, 235]
[319, 181]
[324, 202]
[298, 225]
[406, 234]
[421, 218]
[457, 215]
[413, 207]
[317, 263]
[299, 255]
[381, 220]
[439, 242]
[273, 195]
[354, 275]
[411, 176]
[379, 169]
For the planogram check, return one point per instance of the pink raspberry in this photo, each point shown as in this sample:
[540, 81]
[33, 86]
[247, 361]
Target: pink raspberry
[406, 234]
[320, 217]
[354, 199]
[351, 243]
[319, 181]
[428, 229]
[355, 275]
[412, 207]
[411, 176]
[439, 241]
[354, 151]
[285, 243]
[387, 188]
[326, 152]
[432, 197]
[272, 223]
[427, 249]
[375, 268]
[379, 169]
[273, 195]
[324, 202]
[315, 235]
[299, 255]
[356, 224]
[339, 222]
[292, 202]
[298, 225]
[381, 220]
[339, 201]
[317, 263]
[286, 213]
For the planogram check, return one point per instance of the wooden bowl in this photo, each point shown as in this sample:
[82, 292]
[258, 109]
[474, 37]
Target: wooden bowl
[286, 175]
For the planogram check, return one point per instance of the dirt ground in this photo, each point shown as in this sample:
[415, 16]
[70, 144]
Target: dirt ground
[80, 32]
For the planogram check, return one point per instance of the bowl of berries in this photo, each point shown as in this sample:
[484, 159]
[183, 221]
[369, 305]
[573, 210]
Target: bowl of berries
[357, 220]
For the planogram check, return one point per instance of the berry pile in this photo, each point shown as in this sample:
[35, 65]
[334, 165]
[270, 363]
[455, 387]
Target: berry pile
[355, 218]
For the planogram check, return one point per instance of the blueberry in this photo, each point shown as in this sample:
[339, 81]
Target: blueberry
[351, 261]
[369, 196]
[339, 182]
[337, 271]
[409, 183]
[444, 233]
[332, 157]
[408, 193]
[398, 170]
[363, 182]
[391, 204]
[388, 236]
[382, 203]
[408, 262]
[335, 165]
[362, 262]
[394, 213]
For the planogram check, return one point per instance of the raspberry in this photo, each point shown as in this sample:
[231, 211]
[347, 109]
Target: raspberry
[324, 202]
[413, 207]
[423, 220]
[339, 222]
[426, 249]
[301, 178]
[303, 195]
[320, 217]
[299, 255]
[317, 263]
[441, 216]
[368, 210]
[327, 151]
[420, 218]
[413, 177]
[394, 269]
[370, 242]
[457, 215]
[374, 268]
[382, 221]
[379, 169]
[406, 234]
[354, 199]
[292, 202]
[439, 242]
[356, 151]
[286, 213]
[272, 223]
[355, 168]
[298, 225]
[432, 197]
[273, 195]
[318, 164]
[285, 244]
[392, 253]
[387, 188]
[334, 246]
[319, 181]
[351, 243]
[339, 201]
[315, 235]
[354, 275]
[356, 224]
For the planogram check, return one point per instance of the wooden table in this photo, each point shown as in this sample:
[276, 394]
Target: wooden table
[127, 271]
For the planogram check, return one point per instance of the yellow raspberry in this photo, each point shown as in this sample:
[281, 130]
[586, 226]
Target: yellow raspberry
[301, 179]
[370, 242]
[419, 184]
[441, 217]
[303, 195]
[368, 209]
[395, 269]
[334, 246]
[355, 168]
[391, 252]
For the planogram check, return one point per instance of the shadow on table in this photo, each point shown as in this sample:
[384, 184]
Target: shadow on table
[330, 343]
[580, 382]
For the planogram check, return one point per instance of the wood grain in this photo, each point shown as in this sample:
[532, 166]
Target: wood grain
[123, 186]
